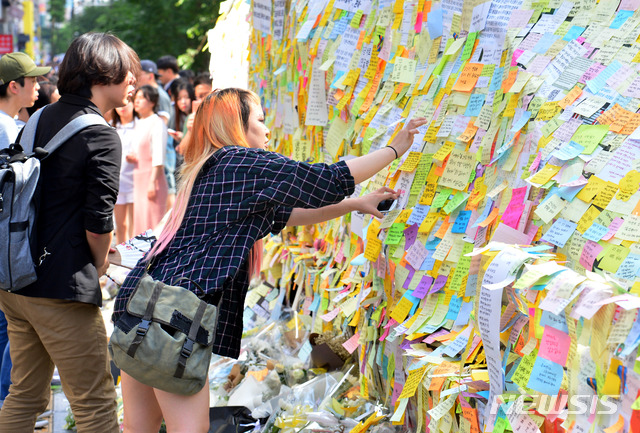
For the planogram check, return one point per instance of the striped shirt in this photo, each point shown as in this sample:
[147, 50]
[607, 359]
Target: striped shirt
[240, 196]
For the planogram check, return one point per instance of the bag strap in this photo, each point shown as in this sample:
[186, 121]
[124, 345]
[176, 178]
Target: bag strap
[69, 130]
[143, 327]
[187, 347]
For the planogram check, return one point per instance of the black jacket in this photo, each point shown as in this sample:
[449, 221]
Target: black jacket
[78, 189]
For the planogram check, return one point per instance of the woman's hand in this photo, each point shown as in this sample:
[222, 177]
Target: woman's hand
[132, 158]
[404, 139]
[151, 192]
[368, 204]
[177, 135]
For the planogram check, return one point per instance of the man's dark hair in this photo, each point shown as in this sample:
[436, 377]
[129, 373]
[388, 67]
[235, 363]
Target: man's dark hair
[5, 86]
[187, 74]
[151, 94]
[95, 59]
[168, 62]
[203, 78]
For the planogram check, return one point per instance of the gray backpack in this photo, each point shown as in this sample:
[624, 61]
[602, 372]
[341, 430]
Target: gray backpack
[19, 173]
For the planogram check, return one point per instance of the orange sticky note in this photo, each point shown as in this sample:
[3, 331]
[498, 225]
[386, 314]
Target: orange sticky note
[468, 77]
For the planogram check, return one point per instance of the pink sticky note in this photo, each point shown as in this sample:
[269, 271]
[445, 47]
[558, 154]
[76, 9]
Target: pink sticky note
[554, 345]
[589, 253]
[516, 56]
[418, 26]
[352, 343]
[330, 315]
[535, 163]
[613, 228]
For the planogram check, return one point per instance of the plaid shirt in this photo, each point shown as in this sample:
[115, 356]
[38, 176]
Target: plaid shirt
[239, 197]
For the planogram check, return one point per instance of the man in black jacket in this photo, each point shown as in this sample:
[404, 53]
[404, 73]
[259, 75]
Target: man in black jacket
[57, 320]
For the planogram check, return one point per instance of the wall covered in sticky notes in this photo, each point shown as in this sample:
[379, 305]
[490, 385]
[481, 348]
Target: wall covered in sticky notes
[533, 140]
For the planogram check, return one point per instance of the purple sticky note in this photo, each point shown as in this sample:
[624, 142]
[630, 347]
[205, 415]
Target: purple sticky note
[410, 277]
[440, 282]
[423, 287]
[410, 235]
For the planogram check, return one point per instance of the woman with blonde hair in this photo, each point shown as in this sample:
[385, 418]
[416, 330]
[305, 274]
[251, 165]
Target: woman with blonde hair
[232, 193]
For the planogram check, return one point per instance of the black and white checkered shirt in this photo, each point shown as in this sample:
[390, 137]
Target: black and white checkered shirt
[239, 197]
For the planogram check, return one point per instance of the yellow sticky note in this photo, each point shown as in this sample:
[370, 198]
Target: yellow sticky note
[593, 187]
[548, 110]
[443, 152]
[587, 219]
[401, 310]
[373, 248]
[543, 176]
[413, 381]
[411, 162]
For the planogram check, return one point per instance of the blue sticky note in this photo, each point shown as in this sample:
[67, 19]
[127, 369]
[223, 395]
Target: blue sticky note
[545, 42]
[560, 232]
[485, 213]
[573, 33]
[339, 75]
[632, 341]
[620, 19]
[568, 151]
[418, 214]
[454, 308]
[546, 377]
[522, 120]
[568, 193]
[460, 225]
[629, 268]
[464, 314]
[476, 101]
[496, 79]
[428, 263]
[554, 320]
[434, 23]
[315, 304]
[600, 81]
[358, 261]
[595, 232]
[339, 28]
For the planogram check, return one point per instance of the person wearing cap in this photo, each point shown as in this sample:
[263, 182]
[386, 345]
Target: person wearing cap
[18, 89]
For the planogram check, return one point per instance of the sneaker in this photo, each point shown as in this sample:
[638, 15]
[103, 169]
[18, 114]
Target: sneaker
[41, 423]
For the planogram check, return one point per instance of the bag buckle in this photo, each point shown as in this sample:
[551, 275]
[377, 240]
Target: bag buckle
[187, 348]
[143, 327]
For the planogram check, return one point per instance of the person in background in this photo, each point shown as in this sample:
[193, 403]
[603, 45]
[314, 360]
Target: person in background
[202, 85]
[56, 321]
[149, 76]
[183, 98]
[124, 120]
[149, 182]
[18, 89]
[187, 74]
[167, 71]
[233, 192]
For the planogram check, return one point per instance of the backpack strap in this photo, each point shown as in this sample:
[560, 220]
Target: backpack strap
[27, 139]
[29, 131]
[72, 128]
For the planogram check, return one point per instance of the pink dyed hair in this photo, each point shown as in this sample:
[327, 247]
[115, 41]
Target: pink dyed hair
[221, 120]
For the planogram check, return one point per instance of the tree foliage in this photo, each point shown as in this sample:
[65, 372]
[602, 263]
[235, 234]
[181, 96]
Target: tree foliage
[151, 27]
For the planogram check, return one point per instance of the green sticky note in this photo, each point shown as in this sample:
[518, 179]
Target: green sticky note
[404, 70]
[500, 425]
[552, 125]
[589, 136]
[523, 372]
[394, 236]
[612, 256]
[468, 46]
[441, 198]
[355, 22]
[456, 201]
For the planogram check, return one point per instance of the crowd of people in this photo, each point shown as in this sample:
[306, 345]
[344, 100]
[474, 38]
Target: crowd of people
[232, 192]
